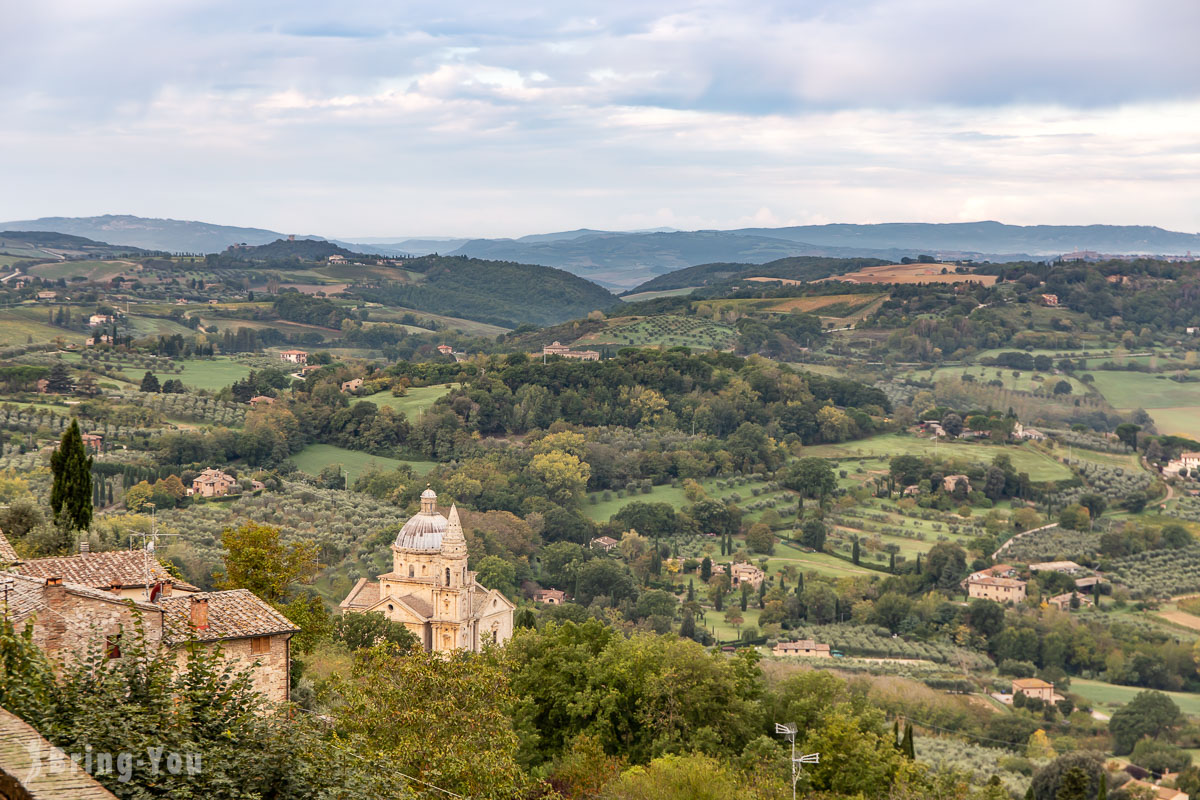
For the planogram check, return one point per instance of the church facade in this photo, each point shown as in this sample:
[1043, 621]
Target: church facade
[431, 591]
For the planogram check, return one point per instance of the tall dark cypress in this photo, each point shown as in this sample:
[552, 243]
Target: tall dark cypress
[907, 746]
[71, 494]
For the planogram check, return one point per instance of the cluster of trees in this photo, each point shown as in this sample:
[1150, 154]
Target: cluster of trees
[308, 309]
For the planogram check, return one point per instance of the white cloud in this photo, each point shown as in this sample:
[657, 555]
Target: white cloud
[488, 119]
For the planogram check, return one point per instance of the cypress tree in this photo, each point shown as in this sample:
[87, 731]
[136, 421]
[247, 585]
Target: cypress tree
[892, 564]
[762, 595]
[745, 595]
[907, 746]
[854, 553]
[1102, 792]
[799, 584]
[691, 595]
[687, 628]
[149, 382]
[71, 495]
[896, 732]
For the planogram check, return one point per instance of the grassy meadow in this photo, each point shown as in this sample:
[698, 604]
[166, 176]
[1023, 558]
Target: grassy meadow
[1025, 458]
[415, 402]
[316, 457]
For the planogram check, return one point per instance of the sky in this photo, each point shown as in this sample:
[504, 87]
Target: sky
[502, 119]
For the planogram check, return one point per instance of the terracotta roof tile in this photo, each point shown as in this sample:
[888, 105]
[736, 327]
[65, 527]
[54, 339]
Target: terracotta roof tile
[19, 744]
[7, 554]
[234, 614]
[100, 570]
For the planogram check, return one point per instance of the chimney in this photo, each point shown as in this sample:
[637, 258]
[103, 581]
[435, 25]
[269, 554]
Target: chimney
[55, 591]
[199, 613]
[84, 547]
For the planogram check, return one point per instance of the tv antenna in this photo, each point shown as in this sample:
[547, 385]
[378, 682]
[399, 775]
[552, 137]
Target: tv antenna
[789, 730]
[149, 544]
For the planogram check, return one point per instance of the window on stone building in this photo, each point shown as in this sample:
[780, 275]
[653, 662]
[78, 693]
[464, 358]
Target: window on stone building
[112, 646]
[260, 645]
[447, 576]
[412, 572]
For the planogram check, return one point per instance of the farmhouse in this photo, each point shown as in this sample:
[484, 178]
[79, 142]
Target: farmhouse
[1034, 687]
[294, 356]
[100, 319]
[1002, 590]
[1063, 601]
[352, 385]
[336, 259]
[445, 349]
[212, 483]
[551, 597]
[93, 442]
[560, 349]
[605, 543]
[1186, 461]
[746, 573]
[47, 295]
[261, 400]
[1155, 791]
[1050, 299]
[430, 590]
[805, 647]
[950, 482]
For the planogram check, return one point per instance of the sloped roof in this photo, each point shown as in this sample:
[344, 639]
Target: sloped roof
[26, 597]
[20, 744]
[364, 595]
[233, 614]
[101, 570]
[7, 554]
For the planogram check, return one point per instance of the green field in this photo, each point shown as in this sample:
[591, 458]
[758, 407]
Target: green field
[1110, 696]
[22, 325]
[1025, 381]
[1025, 458]
[1129, 390]
[1181, 421]
[316, 457]
[92, 270]
[210, 375]
[155, 326]
[415, 402]
[603, 510]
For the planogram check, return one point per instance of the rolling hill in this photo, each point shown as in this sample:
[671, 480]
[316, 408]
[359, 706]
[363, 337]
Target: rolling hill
[803, 268]
[50, 244]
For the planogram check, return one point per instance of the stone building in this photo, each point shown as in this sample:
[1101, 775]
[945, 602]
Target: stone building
[67, 619]
[249, 632]
[746, 573]
[431, 591]
[551, 597]
[804, 647]
[559, 349]
[1002, 590]
[1034, 687]
[294, 356]
[212, 483]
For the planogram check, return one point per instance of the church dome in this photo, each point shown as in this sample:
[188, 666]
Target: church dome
[425, 529]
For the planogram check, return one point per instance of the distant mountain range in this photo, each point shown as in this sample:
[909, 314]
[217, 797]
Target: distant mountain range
[622, 259]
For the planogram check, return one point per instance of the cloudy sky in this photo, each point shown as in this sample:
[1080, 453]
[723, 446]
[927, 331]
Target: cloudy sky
[506, 118]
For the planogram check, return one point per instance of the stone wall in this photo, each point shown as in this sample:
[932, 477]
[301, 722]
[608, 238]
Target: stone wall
[69, 623]
[271, 677]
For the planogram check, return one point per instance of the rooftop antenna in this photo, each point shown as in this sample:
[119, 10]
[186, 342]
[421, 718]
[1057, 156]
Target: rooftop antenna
[149, 545]
[789, 730]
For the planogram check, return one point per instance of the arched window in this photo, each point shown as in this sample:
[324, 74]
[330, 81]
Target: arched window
[412, 571]
[447, 576]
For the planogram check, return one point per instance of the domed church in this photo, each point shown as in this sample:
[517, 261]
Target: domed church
[431, 591]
